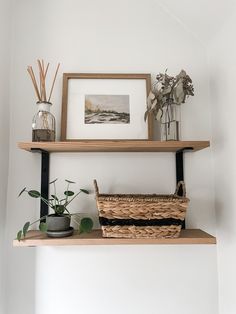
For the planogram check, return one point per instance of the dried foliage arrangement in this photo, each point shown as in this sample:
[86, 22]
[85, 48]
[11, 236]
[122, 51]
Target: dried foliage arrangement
[167, 90]
[40, 88]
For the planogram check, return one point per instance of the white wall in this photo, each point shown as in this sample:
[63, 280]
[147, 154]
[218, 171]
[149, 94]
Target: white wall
[5, 18]
[222, 63]
[131, 280]
[109, 36]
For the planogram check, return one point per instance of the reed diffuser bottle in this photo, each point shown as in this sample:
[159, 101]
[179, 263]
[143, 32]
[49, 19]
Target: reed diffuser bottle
[44, 123]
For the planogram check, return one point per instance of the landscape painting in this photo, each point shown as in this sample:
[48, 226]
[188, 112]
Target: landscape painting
[107, 109]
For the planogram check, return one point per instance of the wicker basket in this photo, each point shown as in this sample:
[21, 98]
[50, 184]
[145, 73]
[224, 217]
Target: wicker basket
[141, 216]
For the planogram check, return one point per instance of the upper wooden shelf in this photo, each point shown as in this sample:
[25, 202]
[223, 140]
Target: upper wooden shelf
[187, 236]
[114, 146]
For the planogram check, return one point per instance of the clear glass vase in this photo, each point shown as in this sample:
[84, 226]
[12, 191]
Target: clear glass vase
[170, 122]
[43, 124]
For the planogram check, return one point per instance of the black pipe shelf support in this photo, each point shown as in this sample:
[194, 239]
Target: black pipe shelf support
[179, 162]
[45, 158]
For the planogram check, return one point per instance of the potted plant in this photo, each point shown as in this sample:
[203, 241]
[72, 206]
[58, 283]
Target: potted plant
[164, 101]
[57, 224]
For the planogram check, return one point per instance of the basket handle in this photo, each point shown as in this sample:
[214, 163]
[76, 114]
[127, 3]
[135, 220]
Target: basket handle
[96, 187]
[181, 184]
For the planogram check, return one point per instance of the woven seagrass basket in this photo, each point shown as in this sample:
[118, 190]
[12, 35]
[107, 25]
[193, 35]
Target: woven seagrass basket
[141, 216]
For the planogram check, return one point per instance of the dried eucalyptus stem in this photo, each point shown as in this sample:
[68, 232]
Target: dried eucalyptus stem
[167, 90]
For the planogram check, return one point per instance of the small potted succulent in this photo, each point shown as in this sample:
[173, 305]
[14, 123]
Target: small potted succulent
[168, 93]
[57, 224]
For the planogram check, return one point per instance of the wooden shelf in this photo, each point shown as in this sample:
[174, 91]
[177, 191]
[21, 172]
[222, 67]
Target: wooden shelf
[114, 146]
[37, 238]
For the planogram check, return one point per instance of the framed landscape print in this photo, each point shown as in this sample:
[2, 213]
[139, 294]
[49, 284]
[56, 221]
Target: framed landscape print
[105, 107]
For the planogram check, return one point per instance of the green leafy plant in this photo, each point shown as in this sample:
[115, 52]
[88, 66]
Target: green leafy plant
[59, 206]
[168, 90]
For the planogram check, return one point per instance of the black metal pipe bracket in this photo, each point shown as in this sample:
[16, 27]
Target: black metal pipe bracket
[179, 162]
[45, 156]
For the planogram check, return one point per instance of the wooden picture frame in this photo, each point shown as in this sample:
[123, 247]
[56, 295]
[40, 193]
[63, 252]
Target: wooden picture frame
[76, 86]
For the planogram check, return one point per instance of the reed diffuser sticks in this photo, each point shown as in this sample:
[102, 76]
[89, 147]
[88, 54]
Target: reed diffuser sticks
[40, 89]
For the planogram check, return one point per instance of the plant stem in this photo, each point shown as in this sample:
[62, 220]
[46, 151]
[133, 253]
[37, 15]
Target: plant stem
[55, 193]
[72, 199]
[75, 221]
[67, 211]
[67, 192]
[62, 200]
[46, 202]
[32, 223]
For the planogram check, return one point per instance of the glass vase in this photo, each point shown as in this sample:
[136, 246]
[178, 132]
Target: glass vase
[43, 124]
[170, 122]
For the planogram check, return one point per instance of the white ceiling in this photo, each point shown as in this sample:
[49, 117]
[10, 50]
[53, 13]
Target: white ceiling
[203, 18]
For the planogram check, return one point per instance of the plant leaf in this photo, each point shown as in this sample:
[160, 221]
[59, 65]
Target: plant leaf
[43, 226]
[59, 209]
[167, 90]
[53, 181]
[19, 234]
[146, 115]
[86, 225]
[34, 193]
[150, 99]
[68, 181]
[69, 193]
[25, 228]
[84, 191]
[22, 191]
[158, 115]
[55, 197]
[154, 104]
[179, 93]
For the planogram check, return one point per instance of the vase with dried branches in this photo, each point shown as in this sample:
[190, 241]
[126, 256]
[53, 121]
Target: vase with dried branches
[168, 93]
[44, 123]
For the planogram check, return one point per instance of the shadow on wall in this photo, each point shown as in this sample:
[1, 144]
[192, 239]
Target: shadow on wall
[25, 262]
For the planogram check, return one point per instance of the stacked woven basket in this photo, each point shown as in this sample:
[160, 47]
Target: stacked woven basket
[142, 216]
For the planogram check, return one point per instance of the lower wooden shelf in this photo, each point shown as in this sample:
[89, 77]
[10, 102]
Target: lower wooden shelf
[187, 236]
